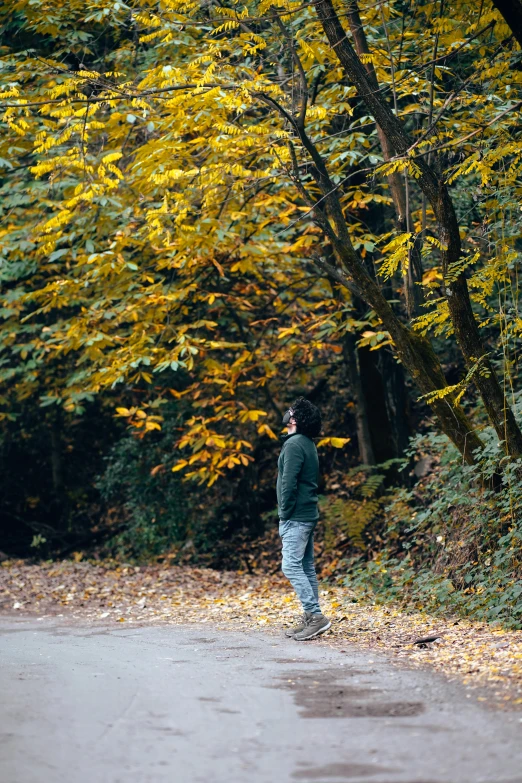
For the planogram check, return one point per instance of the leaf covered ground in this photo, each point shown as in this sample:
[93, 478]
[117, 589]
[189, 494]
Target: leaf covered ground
[477, 653]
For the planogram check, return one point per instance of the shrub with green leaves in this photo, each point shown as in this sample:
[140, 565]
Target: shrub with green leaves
[354, 513]
[453, 541]
[152, 500]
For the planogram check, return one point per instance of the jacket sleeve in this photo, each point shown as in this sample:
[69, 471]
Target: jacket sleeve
[293, 459]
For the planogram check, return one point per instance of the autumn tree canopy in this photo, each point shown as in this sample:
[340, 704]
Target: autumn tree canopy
[202, 200]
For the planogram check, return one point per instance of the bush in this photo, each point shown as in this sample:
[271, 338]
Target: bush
[149, 499]
[454, 541]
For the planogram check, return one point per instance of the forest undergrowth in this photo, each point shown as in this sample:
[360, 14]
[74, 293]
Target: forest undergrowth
[452, 542]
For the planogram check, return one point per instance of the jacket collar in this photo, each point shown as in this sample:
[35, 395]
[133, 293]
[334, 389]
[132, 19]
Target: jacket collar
[284, 438]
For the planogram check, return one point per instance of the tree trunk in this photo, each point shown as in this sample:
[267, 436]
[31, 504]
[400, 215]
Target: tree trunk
[373, 382]
[415, 352]
[396, 399]
[56, 457]
[364, 439]
[511, 10]
[461, 313]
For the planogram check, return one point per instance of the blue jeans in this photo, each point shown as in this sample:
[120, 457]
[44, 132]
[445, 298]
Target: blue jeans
[298, 561]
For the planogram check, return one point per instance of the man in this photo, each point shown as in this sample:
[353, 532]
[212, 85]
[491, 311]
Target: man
[297, 478]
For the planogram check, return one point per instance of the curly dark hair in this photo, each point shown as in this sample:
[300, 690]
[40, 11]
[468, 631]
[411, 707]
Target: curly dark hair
[307, 417]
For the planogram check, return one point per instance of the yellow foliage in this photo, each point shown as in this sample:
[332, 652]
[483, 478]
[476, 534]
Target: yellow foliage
[155, 226]
[337, 443]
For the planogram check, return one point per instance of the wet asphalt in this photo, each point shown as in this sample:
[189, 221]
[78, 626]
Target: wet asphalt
[193, 704]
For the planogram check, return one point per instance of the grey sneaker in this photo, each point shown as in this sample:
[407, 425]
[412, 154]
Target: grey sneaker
[300, 626]
[317, 624]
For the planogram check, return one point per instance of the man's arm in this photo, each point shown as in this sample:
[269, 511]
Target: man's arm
[293, 459]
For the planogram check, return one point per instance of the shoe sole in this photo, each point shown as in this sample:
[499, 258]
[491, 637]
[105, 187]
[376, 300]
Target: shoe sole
[317, 633]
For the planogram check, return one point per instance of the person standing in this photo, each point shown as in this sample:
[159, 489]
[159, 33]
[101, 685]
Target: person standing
[297, 481]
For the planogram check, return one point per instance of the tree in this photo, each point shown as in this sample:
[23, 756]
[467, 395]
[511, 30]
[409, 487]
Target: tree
[436, 191]
[180, 205]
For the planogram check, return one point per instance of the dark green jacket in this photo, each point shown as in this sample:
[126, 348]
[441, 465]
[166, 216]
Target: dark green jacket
[297, 479]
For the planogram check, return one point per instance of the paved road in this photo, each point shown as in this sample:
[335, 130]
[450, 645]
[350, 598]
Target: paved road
[190, 704]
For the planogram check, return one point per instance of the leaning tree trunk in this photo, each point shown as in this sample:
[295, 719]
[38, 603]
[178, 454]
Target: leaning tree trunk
[415, 351]
[461, 313]
[511, 10]
[379, 395]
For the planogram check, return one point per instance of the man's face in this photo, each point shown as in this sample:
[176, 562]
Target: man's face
[291, 425]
